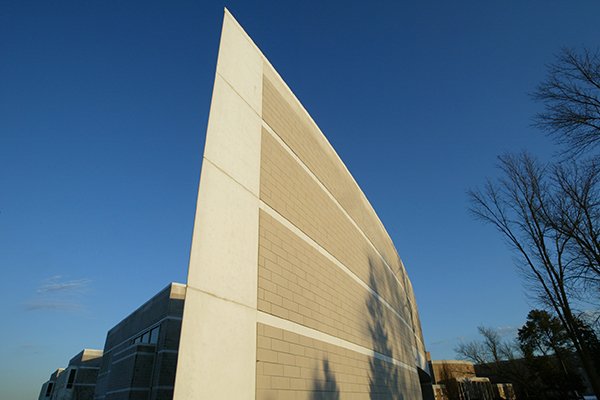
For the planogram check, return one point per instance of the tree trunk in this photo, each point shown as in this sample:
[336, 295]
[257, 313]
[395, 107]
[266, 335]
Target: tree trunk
[582, 350]
[590, 370]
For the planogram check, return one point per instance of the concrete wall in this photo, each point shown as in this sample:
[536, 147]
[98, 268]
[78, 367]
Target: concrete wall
[295, 289]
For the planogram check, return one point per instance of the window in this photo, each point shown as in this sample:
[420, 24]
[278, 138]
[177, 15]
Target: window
[71, 378]
[154, 335]
[49, 389]
[150, 336]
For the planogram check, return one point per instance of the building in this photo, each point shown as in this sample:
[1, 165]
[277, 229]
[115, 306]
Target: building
[547, 376]
[48, 386]
[140, 353]
[457, 380]
[139, 358]
[295, 288]
[77, 381]
[442, 370]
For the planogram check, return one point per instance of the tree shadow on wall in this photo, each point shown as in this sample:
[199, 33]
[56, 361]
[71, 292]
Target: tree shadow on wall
[384, 383]
[325, 388]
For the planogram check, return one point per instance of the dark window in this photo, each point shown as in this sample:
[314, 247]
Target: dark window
[49, 389]
[71, 378]
[154, 335]
[150, 336]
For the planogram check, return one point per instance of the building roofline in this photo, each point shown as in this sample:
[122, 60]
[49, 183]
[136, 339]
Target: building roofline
[160, 292]
[451, 362]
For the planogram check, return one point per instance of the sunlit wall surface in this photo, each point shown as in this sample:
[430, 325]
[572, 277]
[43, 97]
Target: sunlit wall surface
[295, 289]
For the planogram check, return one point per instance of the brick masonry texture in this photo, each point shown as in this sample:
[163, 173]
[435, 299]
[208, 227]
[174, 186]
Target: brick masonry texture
[303, 180]
[296, 282]
[305, 140]
[288, 189]
[292, 366]
[300, 134]
[282, 112]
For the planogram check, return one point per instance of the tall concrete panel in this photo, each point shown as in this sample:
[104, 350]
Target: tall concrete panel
[295, 289]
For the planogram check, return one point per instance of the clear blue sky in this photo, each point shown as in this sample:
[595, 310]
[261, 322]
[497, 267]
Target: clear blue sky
[103, 110]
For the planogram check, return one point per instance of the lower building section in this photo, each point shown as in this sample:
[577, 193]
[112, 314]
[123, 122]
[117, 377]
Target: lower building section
[140, 354]
[77, 381]
[292, 360]
[295, 366]
[457, 380]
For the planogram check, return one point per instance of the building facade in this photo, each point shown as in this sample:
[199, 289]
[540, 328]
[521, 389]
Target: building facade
[140, 353]
[77, 381]
[295, 288]
[458, 380]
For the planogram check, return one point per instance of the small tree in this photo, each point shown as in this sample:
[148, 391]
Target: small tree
[473, 351]
[495, 358]
[543, 335]
[491, 350]
[547, 350]
[591, 338]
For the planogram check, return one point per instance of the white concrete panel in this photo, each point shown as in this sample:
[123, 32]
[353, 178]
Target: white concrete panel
[240, 63]
[217, 355]
[224, 256]
[233, 136]
[217, 351]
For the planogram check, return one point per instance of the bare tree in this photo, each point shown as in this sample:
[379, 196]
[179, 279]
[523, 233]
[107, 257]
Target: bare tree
[575, 213]
[491, 350]
[500, 360]
[473, 351]
[492, 342]
[571, 98]
[524, 206]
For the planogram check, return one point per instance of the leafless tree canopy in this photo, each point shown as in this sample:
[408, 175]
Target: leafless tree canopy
[549, 215]
[571, 98]
[491, 350]
[473, 351]
[575, 213]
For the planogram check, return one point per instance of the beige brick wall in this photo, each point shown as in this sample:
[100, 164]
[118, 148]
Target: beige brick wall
[303, 277]
[298, 131]
[298, 283]
[284, 114]
[288, 188]
[292, 366]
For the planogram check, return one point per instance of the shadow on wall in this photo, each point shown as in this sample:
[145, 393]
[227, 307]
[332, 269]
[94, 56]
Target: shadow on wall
[325, 388]
[384, 382]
